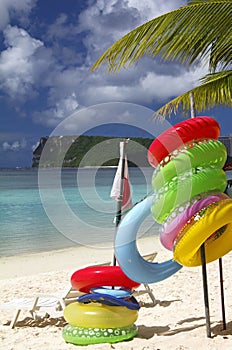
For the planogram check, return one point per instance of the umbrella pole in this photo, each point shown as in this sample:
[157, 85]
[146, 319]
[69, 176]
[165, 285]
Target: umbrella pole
[119, 202]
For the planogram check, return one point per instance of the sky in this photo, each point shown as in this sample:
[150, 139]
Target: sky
[46, 51]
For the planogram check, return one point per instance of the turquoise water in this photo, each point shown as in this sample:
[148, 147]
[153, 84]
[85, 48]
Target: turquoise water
[77, 211]
[25, 225]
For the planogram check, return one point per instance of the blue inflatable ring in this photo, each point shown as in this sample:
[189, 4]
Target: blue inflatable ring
[127, 254]
[131, 303]
[117, 292]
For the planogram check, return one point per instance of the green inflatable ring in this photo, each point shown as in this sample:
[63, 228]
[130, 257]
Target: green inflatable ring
[87, 336]
[176, 192]
[205, 154]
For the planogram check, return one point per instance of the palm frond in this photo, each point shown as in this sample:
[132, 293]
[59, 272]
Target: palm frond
[173, 36]
[216, 89]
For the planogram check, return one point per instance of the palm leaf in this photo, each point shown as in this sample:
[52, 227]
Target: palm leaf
[215, 90]
[173, 36]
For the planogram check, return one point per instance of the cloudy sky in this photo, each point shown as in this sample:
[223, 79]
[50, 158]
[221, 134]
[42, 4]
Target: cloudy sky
[46, 51]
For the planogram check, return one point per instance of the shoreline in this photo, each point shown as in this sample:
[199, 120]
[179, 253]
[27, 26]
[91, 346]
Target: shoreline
[65, 259]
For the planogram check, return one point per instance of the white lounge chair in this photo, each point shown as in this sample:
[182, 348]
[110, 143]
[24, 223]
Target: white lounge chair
[145, 288]
[47, 304]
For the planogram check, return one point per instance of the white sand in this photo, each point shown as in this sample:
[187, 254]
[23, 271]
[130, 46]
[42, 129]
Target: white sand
[177, 321]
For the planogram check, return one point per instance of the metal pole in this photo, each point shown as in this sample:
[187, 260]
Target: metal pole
[205, 289]
[222, 295]
[119, 202]
[203, 260]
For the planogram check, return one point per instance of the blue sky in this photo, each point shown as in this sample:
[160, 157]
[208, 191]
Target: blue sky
[46, 51]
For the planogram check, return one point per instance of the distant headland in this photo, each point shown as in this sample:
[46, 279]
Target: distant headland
[75, 151]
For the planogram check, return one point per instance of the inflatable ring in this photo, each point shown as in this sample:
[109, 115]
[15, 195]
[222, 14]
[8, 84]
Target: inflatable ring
[177, 192]
[106, 299]
[181, 133]
[211, 226]
[170, 231]
[98, 276]
[87, 336]
[202, 155]
[128, 256]
[116, 292]
[97, 315]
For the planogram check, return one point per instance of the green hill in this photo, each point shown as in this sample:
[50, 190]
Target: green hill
[84, 151]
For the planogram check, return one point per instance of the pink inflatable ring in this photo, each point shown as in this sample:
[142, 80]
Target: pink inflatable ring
[171, 231]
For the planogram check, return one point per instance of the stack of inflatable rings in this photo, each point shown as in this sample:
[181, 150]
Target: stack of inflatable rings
[189, 183]
[100, 317]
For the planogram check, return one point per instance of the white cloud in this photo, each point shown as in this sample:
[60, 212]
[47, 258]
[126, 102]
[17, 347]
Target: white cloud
[106, 21]
[27, 65]
[161, 87]
[22, 64]
[14, 8]
[151, 9]
[63, 108]
[16, 63]
[14, 146]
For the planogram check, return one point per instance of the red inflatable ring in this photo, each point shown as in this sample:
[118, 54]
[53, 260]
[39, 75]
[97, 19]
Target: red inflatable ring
[99, 276]
[182, 133]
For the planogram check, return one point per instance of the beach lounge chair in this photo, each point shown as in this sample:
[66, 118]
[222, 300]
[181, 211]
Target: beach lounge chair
[47, 304]
[145, 288]
[30, 304]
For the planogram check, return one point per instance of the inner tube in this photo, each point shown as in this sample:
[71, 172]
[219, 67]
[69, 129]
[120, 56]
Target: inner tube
[98, 276]
[196, 128]
[131, 303]
[127, 254]
[177, 191]
[116, 292]
[98, 315]
[170, 232]
[211, 226]
[205, 154]
[90, 335]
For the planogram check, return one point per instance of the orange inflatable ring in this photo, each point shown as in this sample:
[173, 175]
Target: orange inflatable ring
[211, 226]
[99, 276]
[182, 133]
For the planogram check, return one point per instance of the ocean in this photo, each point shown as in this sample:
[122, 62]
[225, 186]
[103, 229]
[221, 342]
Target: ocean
[51, 210]
[48, 210]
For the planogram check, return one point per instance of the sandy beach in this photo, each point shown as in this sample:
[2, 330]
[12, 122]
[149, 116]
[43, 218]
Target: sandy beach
[176, 321]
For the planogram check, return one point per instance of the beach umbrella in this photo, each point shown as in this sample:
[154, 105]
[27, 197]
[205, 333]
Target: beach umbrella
[120, 191]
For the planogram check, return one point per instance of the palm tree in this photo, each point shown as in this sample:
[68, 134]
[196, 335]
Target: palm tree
[197, 32]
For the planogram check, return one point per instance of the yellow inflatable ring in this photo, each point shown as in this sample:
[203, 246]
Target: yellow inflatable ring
[178, 191]
[97, 315]
[211, 226]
